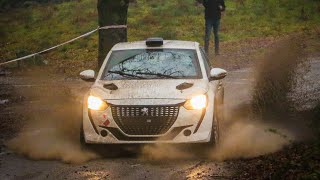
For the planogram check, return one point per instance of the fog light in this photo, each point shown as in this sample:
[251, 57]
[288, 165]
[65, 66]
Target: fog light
[104, 133]
[187, 132]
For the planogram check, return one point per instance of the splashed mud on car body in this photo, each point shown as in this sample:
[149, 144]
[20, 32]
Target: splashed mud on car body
[150, 93]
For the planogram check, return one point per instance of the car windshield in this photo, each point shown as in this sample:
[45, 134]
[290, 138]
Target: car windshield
[152, 64]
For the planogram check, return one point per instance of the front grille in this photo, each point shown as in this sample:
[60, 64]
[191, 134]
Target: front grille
[145, 120]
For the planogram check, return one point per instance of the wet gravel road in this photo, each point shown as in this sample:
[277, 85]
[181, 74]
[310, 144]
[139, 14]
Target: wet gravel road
[14, 166]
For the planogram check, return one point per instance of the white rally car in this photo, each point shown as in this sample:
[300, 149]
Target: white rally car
[153, 91]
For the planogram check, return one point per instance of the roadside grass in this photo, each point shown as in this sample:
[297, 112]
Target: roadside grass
[41, 26]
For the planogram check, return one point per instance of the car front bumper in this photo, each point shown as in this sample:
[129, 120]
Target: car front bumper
[190, 126]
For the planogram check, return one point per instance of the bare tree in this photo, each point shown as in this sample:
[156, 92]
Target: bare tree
[111, 12]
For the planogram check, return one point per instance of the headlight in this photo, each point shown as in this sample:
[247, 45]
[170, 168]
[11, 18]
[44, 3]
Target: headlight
[96, 103]
[197, 102]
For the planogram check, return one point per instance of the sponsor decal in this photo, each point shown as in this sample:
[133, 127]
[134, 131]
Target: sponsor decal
[106, 123]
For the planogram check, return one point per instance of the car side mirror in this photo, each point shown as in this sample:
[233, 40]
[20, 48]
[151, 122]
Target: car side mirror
[88, 75]
[217, 74]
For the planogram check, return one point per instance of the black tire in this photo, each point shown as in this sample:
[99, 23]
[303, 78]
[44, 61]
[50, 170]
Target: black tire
[217, 117]
[215, 132]
[83, 144]
[82, 139]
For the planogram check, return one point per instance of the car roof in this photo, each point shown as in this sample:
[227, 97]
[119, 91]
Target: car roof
[170, 44]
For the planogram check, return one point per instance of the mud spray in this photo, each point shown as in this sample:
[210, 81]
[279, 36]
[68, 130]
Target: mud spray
[261, 123]
[52, 130]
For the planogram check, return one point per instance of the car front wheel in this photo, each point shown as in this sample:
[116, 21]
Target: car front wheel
[83, 144]
[217, 117]
[82, 138]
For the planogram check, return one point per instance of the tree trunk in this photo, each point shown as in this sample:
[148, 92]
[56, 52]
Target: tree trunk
[111, 12]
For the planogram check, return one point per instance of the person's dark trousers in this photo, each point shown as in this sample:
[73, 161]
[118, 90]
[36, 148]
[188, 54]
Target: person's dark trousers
[215, 25]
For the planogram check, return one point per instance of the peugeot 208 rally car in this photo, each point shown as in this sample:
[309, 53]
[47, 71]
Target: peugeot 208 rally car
[153, 91]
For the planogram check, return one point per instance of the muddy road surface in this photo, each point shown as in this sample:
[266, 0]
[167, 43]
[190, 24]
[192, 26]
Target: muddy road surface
[179, 163]
[40, 118]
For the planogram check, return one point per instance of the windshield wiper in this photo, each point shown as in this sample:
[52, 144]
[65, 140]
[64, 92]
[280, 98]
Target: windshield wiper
[128, 58]
[125, 74]
[157, 74]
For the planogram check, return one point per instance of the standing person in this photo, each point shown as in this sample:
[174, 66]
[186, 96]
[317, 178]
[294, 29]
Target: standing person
[213, 9]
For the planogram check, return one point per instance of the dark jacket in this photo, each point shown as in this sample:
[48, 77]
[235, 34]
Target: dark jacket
[212, 10]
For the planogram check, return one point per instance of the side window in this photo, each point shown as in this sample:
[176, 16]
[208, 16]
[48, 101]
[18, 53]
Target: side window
[205, 61]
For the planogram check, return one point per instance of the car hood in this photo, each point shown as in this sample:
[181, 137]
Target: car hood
[146, 89]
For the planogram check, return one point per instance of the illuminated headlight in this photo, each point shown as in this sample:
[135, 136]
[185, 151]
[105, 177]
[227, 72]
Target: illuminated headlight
[197, 102]
[96, 103]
